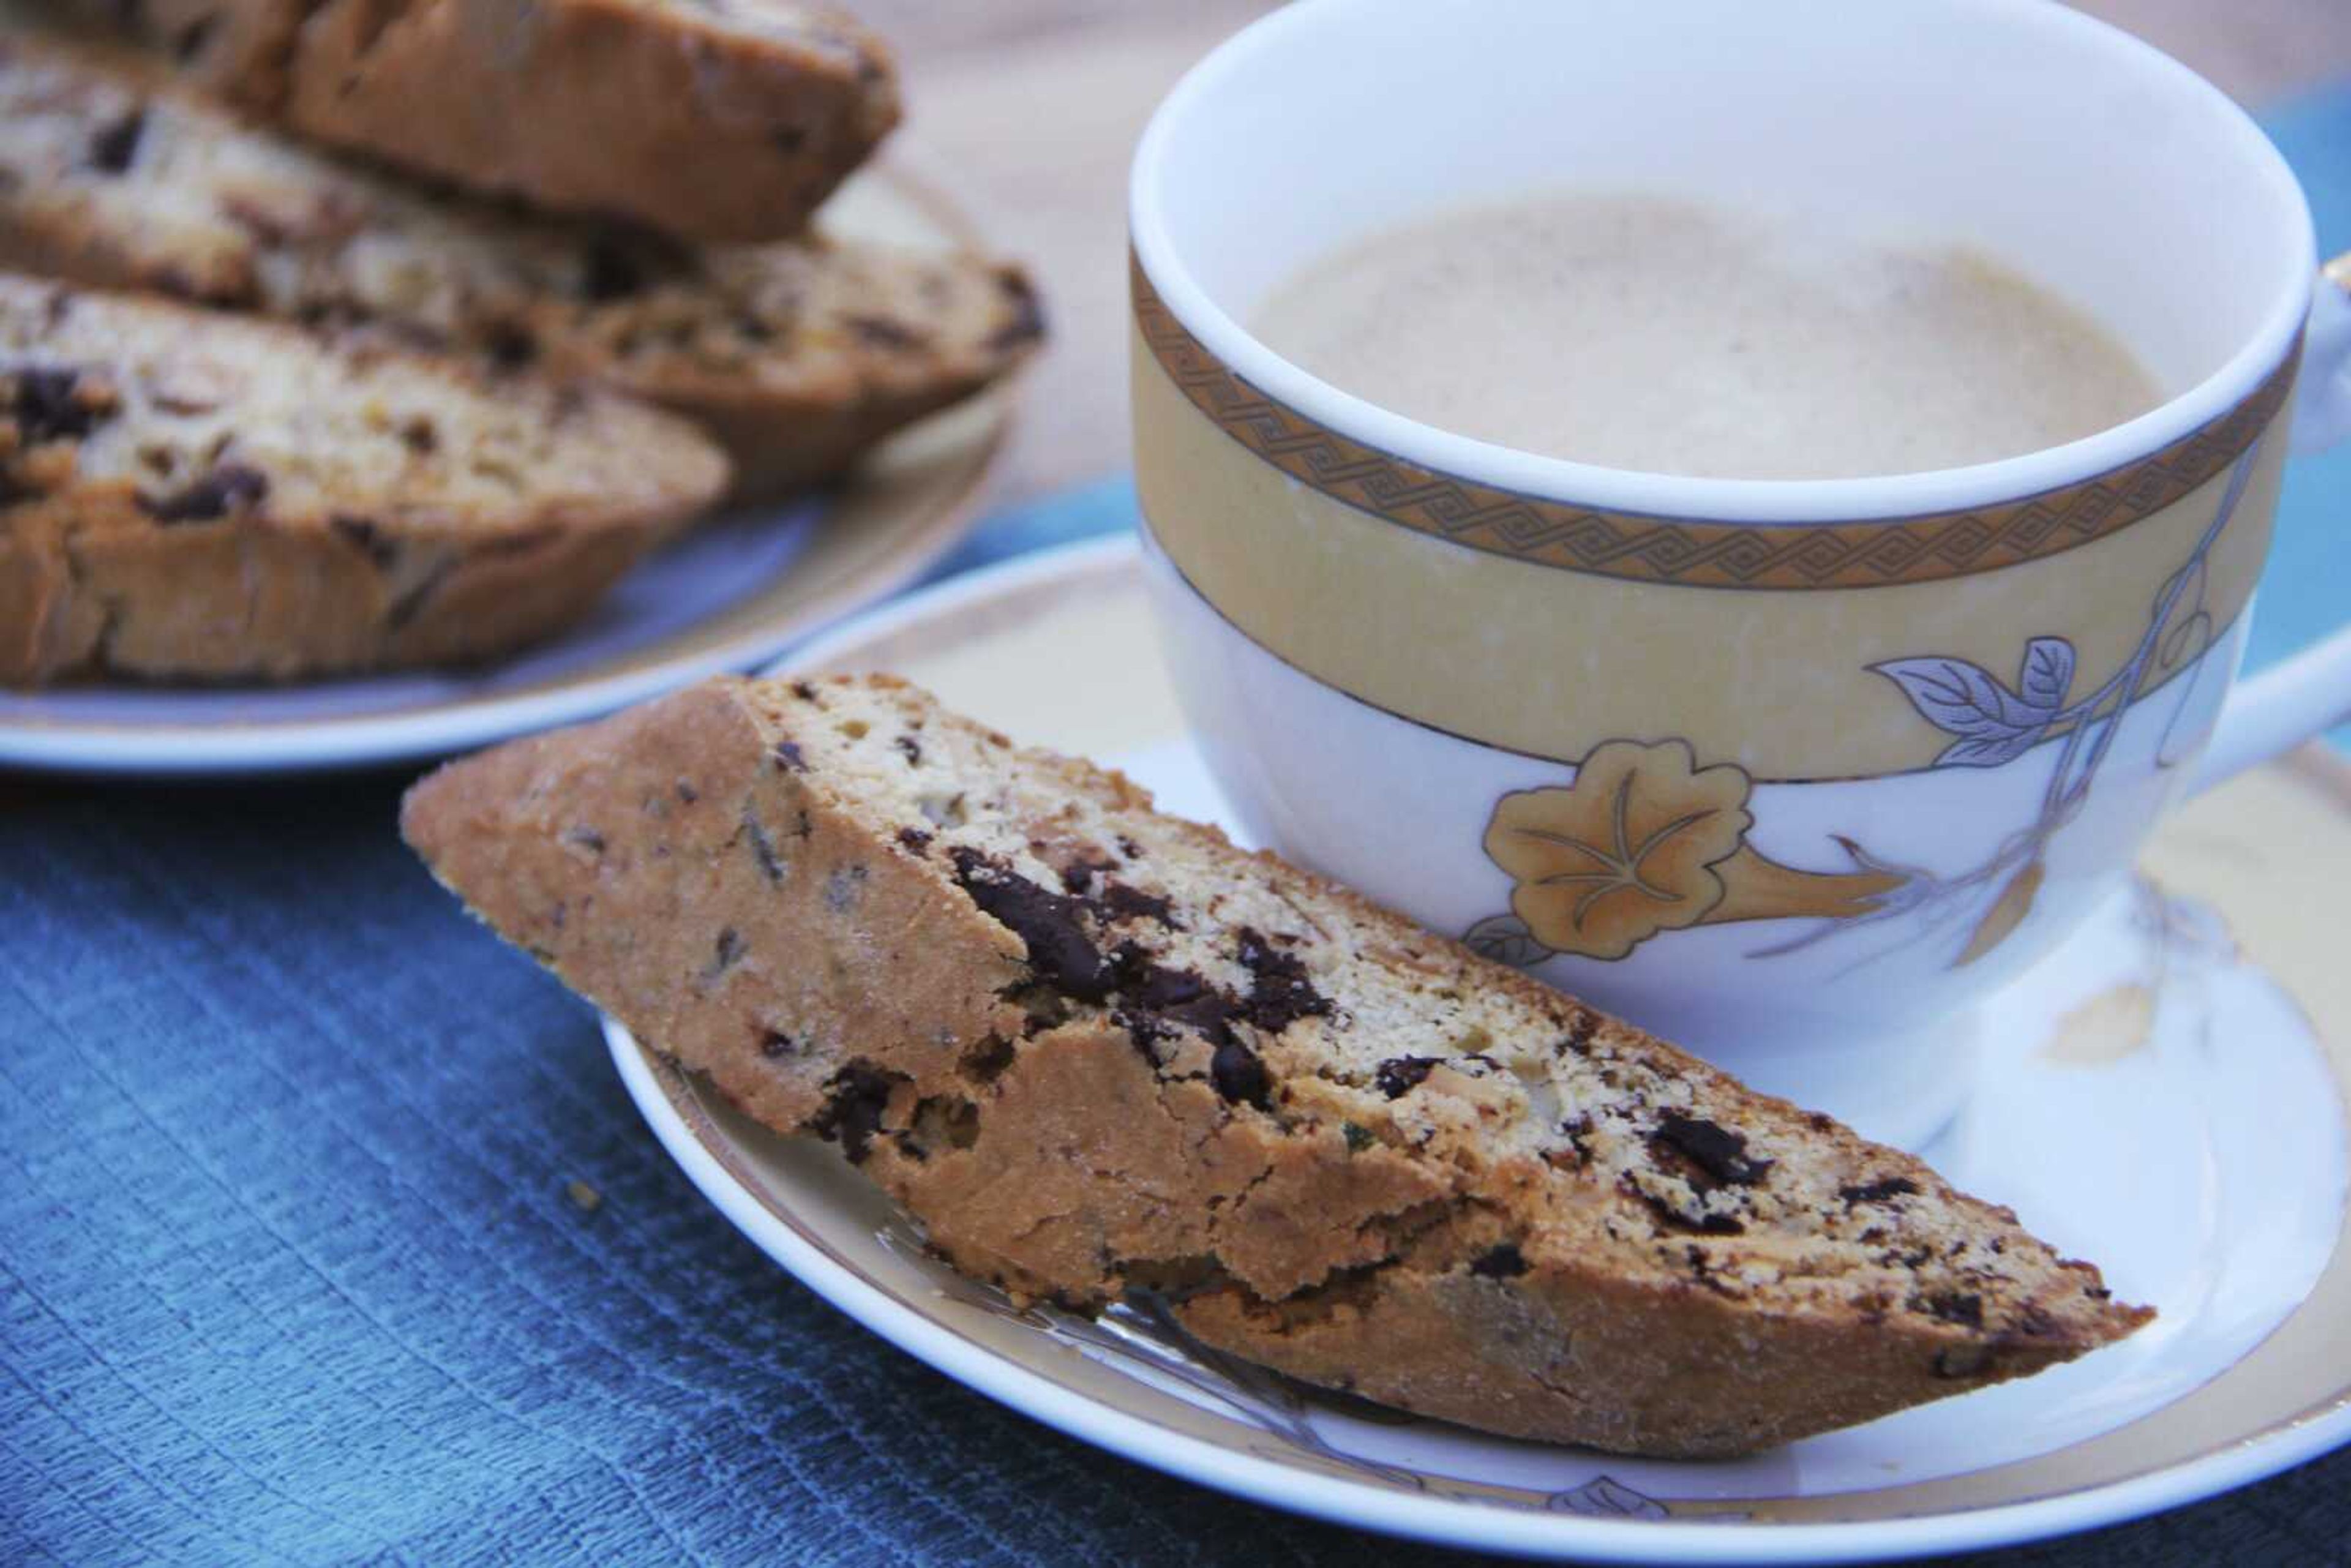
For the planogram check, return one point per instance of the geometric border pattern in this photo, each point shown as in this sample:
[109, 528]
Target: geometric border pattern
[1695, 552]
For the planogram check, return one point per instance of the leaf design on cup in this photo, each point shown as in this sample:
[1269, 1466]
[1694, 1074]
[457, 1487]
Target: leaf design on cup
[2006, 913]
[1626, 851]
[1992, 723]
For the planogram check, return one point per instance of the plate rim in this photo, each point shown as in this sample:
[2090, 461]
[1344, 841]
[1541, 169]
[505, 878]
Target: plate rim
[1436, 1520]
[294, 747]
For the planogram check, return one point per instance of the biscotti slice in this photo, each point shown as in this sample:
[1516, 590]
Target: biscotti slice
[712, 123]
[796, 356]
[186, 494]
[1097, 1050]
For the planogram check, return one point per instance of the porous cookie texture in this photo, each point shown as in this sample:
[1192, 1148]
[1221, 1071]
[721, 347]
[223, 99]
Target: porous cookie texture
[796, 356]
[1097, 1050]
[710, 121]
[186, 494]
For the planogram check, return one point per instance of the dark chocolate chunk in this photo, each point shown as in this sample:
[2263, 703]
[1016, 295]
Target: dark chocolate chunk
[1358, 1138]
[787, 752]
[1279, 991]
[775, 1043]
[940, 1121]
[510, 346]
[1239, 1076]
[725, 957]
[983, 1061]
[1715, 1149]
[1399, 1075]
[1700, 1222]
[1161, 998]
[1701, 1268]
[608, 273]
[1173, 996]
[914, 840]
[229, 488]
[1575, 1129]
[1962, 1360]
[1499, 1262]
[763, 848]
[114, 144]
[843, 888]
[420, 436]
[1143, 1031]
[1027, 322]
[1117, 900]
[411, 602]
[366, 538]
[1155, 986]
[1580, 1032]
[912, 748]
[804, 691]
[48, 405]
[857, 1099]
[1129, 848]
[1049, 923]
[1964, 1308]
[881, 332]
[1878, 1191]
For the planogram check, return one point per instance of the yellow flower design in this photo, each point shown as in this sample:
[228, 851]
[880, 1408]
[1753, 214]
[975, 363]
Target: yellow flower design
[1626, 851]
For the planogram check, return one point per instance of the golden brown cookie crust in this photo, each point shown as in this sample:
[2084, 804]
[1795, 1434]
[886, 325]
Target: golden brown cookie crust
[690, 120]
[796, 356]
[193, 496]
[737, 875]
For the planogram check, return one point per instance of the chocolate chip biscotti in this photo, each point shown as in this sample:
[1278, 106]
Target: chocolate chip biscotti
[796, 356]
[714, 122]
[1098, 1049]
[186, 494]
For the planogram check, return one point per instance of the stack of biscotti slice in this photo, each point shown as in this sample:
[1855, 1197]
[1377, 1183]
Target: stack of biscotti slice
[796, 356]
[1096, 1050]
[193, 495]
[714, 122]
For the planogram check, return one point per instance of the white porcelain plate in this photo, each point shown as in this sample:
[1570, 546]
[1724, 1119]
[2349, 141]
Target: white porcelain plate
[2166, 1096]
[725, 596]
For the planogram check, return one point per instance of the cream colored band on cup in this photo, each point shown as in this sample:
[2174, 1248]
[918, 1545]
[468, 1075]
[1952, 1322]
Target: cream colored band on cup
[1338, 560]
[1693, 553]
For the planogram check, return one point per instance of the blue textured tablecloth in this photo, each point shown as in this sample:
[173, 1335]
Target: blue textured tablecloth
[293, 1266]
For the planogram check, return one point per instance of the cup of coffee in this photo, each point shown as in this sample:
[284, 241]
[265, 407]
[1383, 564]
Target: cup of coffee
[1751, 513]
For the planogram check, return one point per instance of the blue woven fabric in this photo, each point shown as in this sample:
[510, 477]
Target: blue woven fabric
[292, 1267]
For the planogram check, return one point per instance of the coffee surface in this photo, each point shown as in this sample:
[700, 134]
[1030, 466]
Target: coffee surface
[1640, 332]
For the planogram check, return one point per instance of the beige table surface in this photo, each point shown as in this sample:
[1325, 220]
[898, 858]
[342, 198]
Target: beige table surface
[1036, 104]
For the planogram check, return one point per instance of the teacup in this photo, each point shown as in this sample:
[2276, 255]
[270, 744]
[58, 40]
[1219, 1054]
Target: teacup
[1792, 772]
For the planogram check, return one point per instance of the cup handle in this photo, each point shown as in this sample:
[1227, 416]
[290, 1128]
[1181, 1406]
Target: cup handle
[2291, 702]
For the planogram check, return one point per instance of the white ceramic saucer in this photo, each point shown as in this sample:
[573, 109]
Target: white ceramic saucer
[2165, 1096]
[729, 594]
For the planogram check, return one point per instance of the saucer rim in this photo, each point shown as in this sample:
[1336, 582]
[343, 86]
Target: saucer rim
[670, 1103]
